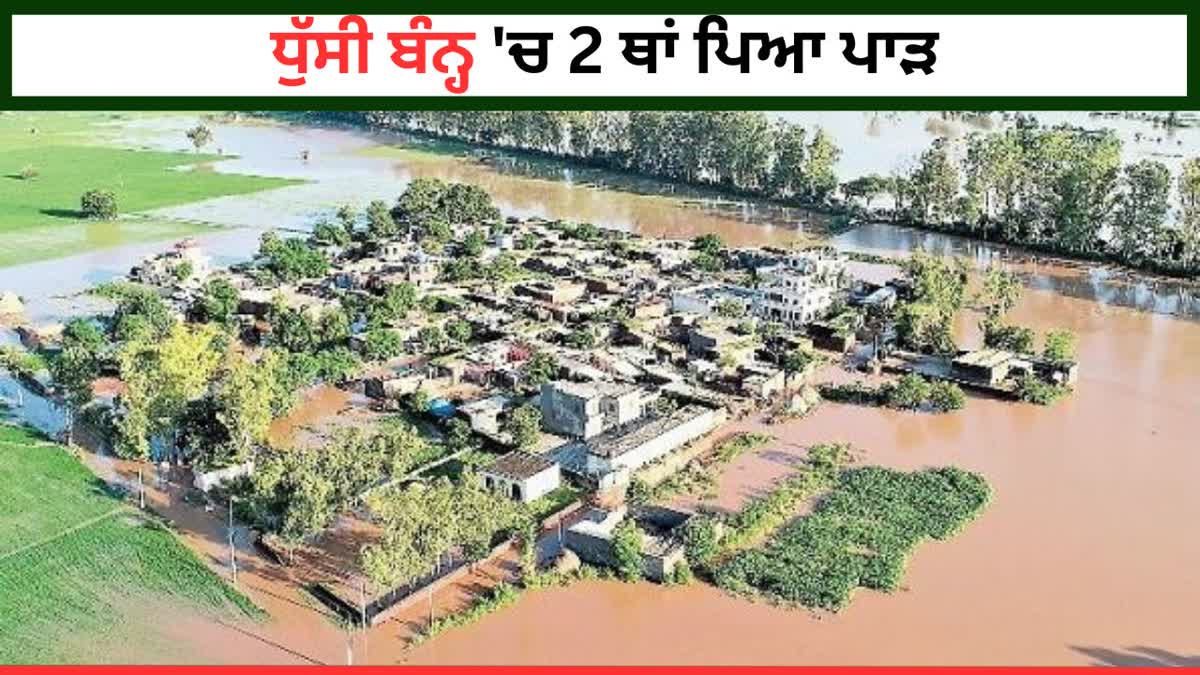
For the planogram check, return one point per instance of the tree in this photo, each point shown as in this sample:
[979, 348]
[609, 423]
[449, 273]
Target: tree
[935, 185]
[907, 393]
[867, 188]
[701, 540]
[1189, 212]
[797, 361]
[474, 243]
[627, 550]
[161, 376]
[333, 328]
[382, 345]
[820, 162]
[1000, 293]
[433, 339]
[347, 217]
[541, 368]
[731, 309]
[292, 259]
[710, 244]
[419, 401]
[524, 426]
[926, 322]
[581, 338]
[1059, 346]
[243, 397]
[381, 225]
[997, 335]
[217, 302]
[459, 332]
[1139, 221]
[140, 313]
[292, 329]
[326, 233]
[98, 205]
[200, 136]
[77, 366]
[459, 437]
[946, 396]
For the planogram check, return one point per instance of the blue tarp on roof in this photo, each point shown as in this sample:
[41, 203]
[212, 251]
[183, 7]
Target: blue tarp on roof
[440, 407]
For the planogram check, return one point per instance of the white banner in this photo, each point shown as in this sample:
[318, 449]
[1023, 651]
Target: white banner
[914, 55]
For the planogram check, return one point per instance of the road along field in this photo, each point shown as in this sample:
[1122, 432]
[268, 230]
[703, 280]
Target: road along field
[85, 577]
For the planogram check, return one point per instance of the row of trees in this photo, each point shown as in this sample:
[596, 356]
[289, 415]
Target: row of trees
[744, 152]
[1059, 189]
[422, 523]
[297, 493]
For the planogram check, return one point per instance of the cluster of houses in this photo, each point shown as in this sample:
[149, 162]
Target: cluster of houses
[668, 350]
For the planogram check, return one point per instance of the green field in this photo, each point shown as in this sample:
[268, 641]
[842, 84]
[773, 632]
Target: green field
[82, 574]
[70, 153]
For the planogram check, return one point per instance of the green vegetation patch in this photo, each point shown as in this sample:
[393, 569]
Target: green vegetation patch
[861, 534]
[77, 567]
[43, 175]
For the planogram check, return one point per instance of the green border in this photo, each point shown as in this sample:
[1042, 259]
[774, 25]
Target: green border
[663, 7]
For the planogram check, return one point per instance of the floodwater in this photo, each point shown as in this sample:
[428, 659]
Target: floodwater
[1087, 555]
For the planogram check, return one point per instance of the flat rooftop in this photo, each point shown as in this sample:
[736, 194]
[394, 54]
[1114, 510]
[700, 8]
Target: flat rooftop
[616, 442]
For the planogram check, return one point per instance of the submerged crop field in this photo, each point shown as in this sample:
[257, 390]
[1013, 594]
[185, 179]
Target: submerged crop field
[78, 567]
[49, 160]
[859, 535]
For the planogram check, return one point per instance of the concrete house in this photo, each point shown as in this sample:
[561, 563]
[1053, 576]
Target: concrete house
[791, 296]
[521, 475]
[485, 414]
[591, 539]
[705, 299]
[586, 409]
[619, 452]
[988, 366]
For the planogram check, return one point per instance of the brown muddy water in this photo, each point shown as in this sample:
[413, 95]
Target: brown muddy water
[1087, 554]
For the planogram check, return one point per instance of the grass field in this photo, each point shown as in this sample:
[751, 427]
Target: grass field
[48, 160]
[82, 574]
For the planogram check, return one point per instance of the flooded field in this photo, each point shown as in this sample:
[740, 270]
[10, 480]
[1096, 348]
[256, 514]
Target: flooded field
[1087, 555]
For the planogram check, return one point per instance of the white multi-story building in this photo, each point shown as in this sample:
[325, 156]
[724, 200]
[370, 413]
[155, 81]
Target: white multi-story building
[792, 297]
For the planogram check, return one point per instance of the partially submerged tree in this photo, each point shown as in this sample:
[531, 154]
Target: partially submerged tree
[98, 205]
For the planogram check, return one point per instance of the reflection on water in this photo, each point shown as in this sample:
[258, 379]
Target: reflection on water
[1100, 283]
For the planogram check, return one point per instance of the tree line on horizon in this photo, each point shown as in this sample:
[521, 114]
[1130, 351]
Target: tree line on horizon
[1059, 189]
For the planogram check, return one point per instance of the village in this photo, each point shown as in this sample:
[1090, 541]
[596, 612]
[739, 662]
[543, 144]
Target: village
[415, 389]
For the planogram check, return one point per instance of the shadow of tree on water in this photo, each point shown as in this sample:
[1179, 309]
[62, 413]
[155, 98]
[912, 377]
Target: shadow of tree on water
[1138, 657]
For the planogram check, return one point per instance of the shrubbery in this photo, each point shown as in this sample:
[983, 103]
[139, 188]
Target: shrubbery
[98, 204]
[911, 392]
[859, 535]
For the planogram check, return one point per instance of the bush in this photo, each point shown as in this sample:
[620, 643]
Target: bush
[908, 393]
[1031, 389]
[682, 574]
[701, 540]
[627, 550]
[98, 204]
[946, 396]
[382, 345]
[1012, 338]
